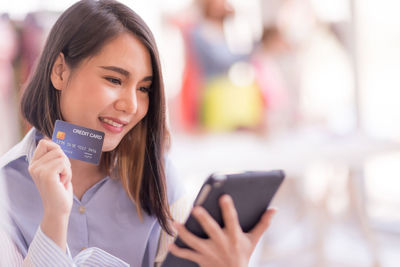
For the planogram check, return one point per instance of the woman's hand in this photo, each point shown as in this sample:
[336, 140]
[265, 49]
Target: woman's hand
[229, 246]
[51, 171]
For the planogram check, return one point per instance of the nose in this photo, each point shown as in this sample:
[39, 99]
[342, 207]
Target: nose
[127, 101]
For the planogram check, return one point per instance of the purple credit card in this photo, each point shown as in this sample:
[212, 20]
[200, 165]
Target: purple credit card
[78, 142]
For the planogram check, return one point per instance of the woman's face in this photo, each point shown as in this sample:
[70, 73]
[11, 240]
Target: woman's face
[109, 91]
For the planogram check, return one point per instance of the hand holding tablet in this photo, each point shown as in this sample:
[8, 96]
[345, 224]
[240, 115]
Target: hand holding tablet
[251, 193]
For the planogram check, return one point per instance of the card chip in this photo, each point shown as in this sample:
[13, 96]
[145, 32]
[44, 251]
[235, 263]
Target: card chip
[60, 135]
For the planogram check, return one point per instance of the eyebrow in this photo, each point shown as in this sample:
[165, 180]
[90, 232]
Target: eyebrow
[124, 72]
[116, 69]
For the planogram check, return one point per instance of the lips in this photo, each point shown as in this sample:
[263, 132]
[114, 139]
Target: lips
[113, 124]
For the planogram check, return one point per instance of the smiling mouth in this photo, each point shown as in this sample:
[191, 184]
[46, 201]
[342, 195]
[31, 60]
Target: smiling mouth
[111, 122]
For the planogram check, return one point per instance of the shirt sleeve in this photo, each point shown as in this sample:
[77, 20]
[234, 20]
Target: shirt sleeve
[9, 253]
[179, 211]
[44, 252]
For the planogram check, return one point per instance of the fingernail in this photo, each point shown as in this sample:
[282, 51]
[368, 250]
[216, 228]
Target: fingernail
[225, 199]
[274, 209]
[197, 211]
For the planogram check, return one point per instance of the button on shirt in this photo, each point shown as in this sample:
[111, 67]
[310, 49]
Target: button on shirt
[82, 209]
[105, 217]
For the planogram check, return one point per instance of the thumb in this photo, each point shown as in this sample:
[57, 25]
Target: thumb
[262, 225]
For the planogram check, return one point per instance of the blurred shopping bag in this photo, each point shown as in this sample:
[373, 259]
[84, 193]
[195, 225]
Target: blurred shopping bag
[229, 106]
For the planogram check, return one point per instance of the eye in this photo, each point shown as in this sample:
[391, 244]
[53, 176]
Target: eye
[145, 89]
[113, 80]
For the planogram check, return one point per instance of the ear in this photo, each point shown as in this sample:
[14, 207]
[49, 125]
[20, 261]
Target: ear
[60, 73]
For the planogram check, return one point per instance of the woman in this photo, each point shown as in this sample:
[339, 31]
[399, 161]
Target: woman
[100, 69]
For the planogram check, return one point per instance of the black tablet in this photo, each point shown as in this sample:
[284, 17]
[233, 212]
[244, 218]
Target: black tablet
[251, 192]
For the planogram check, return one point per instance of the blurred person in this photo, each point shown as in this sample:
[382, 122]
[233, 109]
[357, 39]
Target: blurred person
[31, 43]
[272, 80]
[211, 98]
[32, 34]
[8, 112]
[100, 69]
[209, 40]
[314, 39]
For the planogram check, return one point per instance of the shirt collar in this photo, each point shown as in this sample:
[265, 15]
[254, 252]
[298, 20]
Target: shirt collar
[24, 148]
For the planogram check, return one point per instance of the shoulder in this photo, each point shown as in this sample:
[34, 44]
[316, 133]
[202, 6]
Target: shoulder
[15, 177]
[175, 186]
[14, 163]
[23, 149]
[19, 200]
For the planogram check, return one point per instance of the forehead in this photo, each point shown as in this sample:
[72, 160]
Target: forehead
[124, 51]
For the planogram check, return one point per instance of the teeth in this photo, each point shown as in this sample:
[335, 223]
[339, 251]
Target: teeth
[113, 123]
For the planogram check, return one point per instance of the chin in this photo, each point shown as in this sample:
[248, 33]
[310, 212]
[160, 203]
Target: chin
[109, 147]
[111, 143]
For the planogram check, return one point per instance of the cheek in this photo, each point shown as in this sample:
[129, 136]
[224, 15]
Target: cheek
[142, 111]
[70, 104]
[98, 96]
[144, 108]
[146, 104]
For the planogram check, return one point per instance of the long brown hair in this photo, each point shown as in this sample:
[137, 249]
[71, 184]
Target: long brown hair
[80, 32]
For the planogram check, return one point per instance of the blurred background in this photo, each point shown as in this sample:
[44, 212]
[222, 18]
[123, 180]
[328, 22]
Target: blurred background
[307, 86]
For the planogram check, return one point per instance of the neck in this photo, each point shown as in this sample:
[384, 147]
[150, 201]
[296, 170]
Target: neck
[217, 22]
[84, 176]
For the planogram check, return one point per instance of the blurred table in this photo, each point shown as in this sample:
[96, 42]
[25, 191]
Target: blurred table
[197, 156]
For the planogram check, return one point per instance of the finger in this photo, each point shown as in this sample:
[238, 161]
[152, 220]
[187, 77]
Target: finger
[262, 225]
[189, 238]
[60, 174]
[43, 147]
[209, 225]
[49, 170]
[49, 155]
[66, 173]
[230, 216]
[69, 188]
[57, 166]
[42, 162]
[185, 253]
[40, 150]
